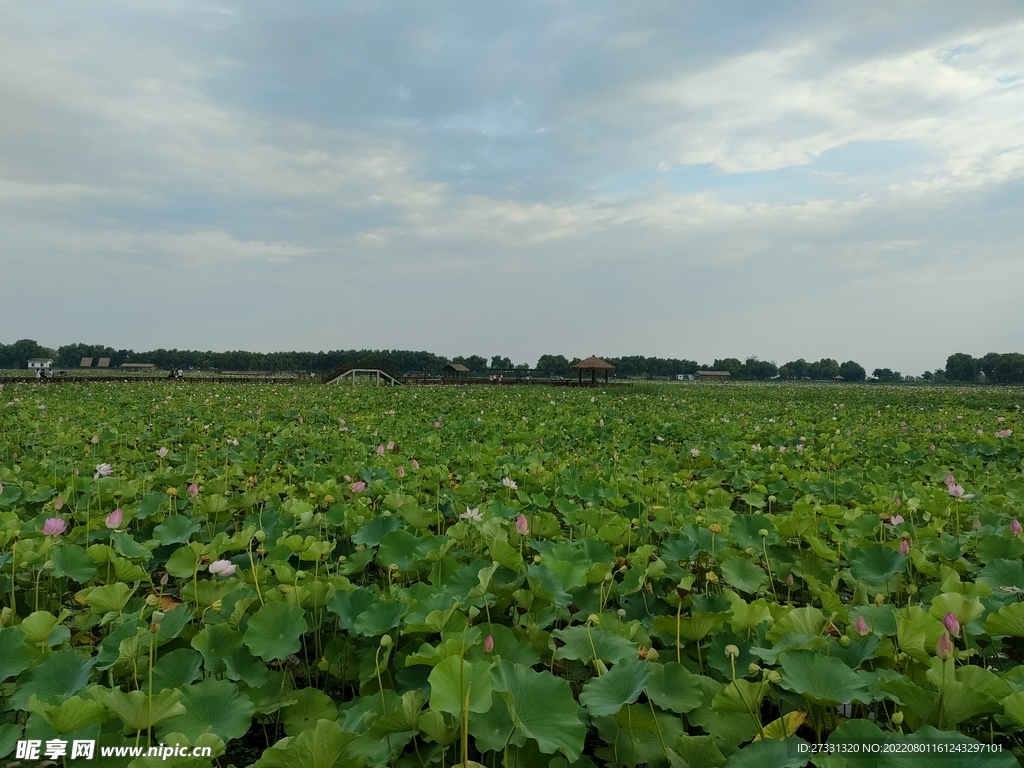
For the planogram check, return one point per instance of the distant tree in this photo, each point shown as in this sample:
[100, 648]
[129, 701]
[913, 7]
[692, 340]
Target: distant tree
[501, 363]
[785, 373]
[798, 369]
[553, 363]
[852, 371]
[473, 362]
[18, 354]
[730, 364]
[757, 370]
[826, 368]
[961, 367]
[887, 375]
[1008, 369]
[928, 376]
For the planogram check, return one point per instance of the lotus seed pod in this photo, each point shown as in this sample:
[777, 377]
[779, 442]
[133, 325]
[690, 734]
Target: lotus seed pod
[712, 577]
[260, 536]
[300, 575]
[879, 600]
[715, 528]
[608, 577]
[763, 533]
[774, 677]
[897, 717]
[593, 619]
[732, 651]
[652, 654]
[753, 669]
[621, 613]
[845, 641]
[385, 642]
[152, 601]
[911, 589]
[217, 605]
[157, 616]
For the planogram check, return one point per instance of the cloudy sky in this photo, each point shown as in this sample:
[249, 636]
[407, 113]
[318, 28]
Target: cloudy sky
[683, 179]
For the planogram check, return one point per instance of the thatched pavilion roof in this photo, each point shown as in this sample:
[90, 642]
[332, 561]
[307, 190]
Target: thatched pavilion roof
[594, 364]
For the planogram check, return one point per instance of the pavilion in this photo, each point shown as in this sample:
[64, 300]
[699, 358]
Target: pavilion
[593, 364]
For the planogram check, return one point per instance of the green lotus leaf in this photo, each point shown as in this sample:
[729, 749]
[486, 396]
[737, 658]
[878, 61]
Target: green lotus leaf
[378, 618]
[583, 642]
[542, 707]
[212, 706]
[622, 684]
[876, 564]
[176, 669]
[671, 686]
[637, 736]
[274, 631]
[42, 627]
[822, 679]
[309, 708]
[109, 598]
[139, 711]
[176, 529]
[1007, 621]
[453, 678]
[744, 575]
[71, 562]
[70, 715]
[15, 655]
[216, 642]
[770, 753]
[61, 675]
[321, 747]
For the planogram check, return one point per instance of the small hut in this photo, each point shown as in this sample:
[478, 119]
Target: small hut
[593, 364]
[455, 371]
[713, 375]
[86, 362]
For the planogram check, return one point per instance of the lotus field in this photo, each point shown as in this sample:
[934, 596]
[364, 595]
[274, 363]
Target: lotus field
[679, 575]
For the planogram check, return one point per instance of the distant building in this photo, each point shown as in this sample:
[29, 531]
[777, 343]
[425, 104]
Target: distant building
[86, 363]
[455, 371]
[713, 375]
[103, 363]
[40, 363]
[684, 377]
[139, 366]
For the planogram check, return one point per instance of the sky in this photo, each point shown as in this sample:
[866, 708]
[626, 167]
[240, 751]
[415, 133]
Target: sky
[675, 179]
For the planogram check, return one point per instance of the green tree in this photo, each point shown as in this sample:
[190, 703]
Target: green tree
[961, 367]
[553, 363]
[501, 363]
[852, 371]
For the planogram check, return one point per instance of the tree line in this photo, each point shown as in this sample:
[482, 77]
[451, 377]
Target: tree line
[960, 367]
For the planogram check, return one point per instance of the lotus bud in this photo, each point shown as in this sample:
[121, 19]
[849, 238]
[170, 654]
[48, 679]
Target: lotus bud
[911, 589]
[897, 717]
[260, 536]
[944, 647]
[152, 601]
[904, 546]
[385, 642]
[114, 519]
[164, 579]
[976, 524]
[732, 651]
[753, 669]
[488, 644]
[608, 577]
[1015, 527]
[193, 490]
[952, 625]
[845, 641]
[862, 627]
[763, 533]
[774, 677]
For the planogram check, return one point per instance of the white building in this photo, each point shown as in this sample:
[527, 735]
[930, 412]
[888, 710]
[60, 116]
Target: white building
[40, 363]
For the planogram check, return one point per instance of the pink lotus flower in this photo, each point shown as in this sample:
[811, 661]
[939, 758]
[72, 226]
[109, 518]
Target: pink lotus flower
[950, 480]
[1015, 527]
[222, 568]
[789, 580]
[695, 452]
[944, 648]
[896, 519]
[193, 490]
[358, 486]
[897, 501]
[114, 519]
[391, 444]
[437, 424]
[952, 625]
[415, 464]
[488, 644]
[103, 470]
[58, 503]
[380, 450]
[976, 524]
[957, 492]
[472, 514]
[54, 526]
[522, 525]
[904, 546]
[862, 627]
[401, 471]
[162, 453]
[95, 439]
[510, 484]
